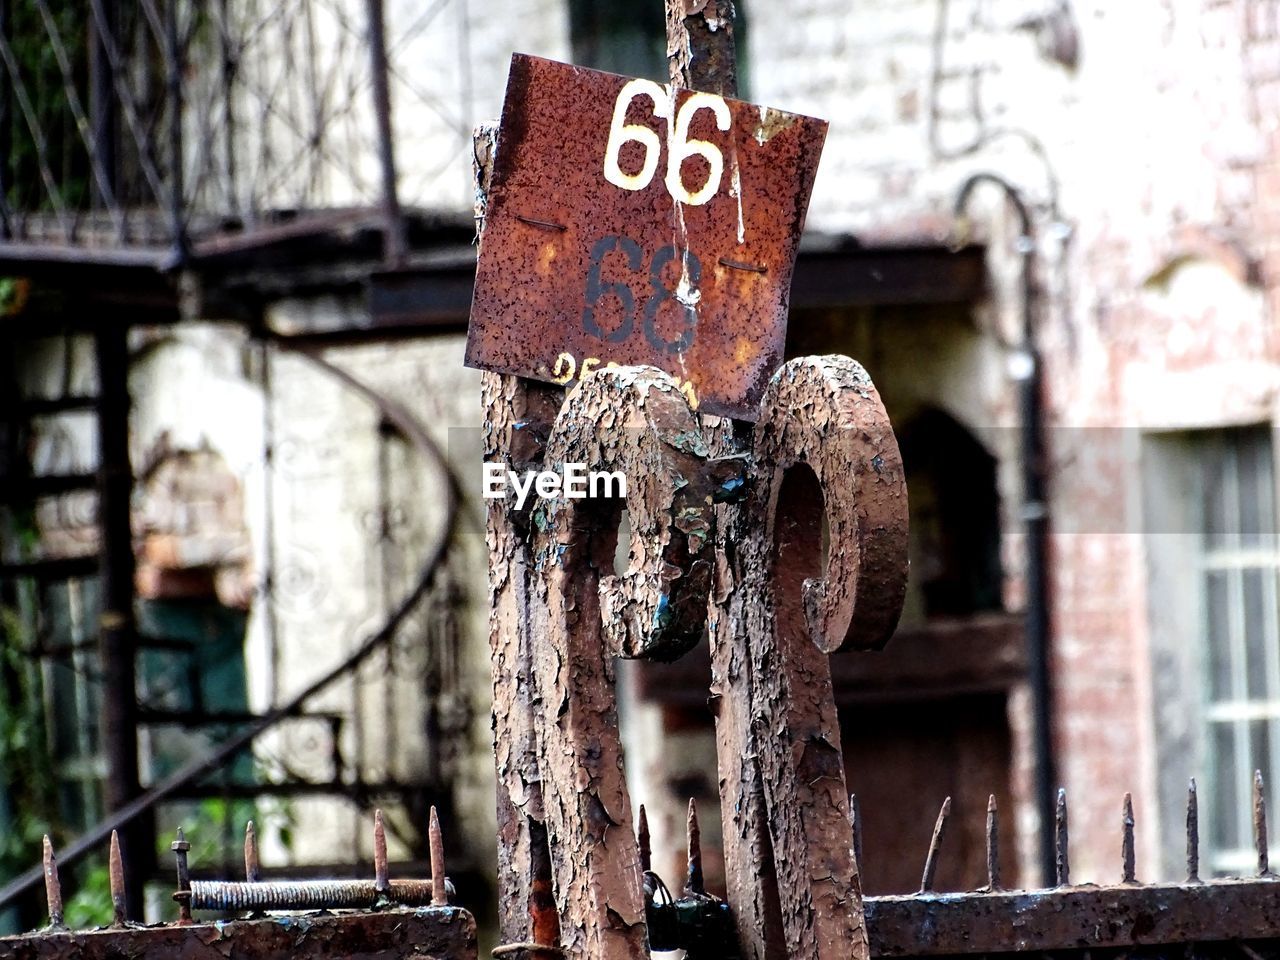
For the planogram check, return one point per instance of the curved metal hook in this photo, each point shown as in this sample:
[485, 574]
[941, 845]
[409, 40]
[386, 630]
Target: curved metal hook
[633, 420]
[826, 413]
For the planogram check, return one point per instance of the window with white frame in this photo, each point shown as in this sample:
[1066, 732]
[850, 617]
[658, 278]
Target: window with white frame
[1239, 622]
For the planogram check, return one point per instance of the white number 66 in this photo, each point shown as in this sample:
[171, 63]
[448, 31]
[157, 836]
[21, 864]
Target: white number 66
[679, 148]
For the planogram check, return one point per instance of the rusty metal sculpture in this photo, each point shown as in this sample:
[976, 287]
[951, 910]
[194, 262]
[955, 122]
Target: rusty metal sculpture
[559, 617]
[819, 414]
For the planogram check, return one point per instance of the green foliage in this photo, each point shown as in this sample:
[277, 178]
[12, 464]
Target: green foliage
[90, 905]
[26, 767]
[214, 825]
[45, 85]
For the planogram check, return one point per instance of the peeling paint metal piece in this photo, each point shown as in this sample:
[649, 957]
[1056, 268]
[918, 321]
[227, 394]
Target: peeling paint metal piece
[822, 445]
[634, 420]
[1079, 918]
[577, 272]
[825, 413]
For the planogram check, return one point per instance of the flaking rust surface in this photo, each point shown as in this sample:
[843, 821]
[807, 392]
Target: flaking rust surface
[826, 413]
[549, 205]
[436, 933]
[822, 412]
[518, 416]
[636, 421]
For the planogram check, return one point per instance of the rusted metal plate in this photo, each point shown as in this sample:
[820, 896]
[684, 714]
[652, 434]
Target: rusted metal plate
[632, 224]
[443, 933]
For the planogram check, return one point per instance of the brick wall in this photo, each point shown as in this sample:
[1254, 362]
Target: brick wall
[1153, 168]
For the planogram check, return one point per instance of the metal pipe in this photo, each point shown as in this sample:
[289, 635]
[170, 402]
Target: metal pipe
[173, 68]
[229, 66]
[395, 244]
[102, 103]
[1035, 518]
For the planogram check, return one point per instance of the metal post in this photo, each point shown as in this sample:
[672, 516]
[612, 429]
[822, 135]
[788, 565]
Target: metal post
[6, 133]
[173, 78]
[1035, 518]
[704, 60]
[394, 243]
[701, 50]
[229, 66]
[102, 101]
[117, 628]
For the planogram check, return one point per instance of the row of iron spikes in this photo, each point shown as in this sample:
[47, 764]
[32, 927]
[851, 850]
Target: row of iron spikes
[252, 871]
[1062, 861]
[694, 884]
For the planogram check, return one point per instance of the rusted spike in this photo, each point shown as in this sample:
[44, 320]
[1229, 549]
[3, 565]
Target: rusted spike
[1193, 834]
[693, 877]
[855, 817]
[116, 870]
[1062, 860]
[439, 896]
[252, 870]
[182, 896]
[1126, 842]
[52, 886]
[1260, 824]
[931, 861]
[642, 840]
[380, 879]
[993, 845]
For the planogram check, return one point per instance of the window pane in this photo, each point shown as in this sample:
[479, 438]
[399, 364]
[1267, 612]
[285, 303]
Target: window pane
[1256, 626]
[619, 36]
[1218, 461]
[1218, 623]
[1259, 750]
[1225, 829]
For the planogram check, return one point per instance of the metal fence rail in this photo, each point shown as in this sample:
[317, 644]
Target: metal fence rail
[145, 125]
[393, 918]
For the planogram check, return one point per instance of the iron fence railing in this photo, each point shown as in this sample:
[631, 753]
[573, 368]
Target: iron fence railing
[147, 124]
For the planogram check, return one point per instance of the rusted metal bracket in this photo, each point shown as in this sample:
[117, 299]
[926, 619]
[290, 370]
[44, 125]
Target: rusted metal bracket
[821, 419]
[697, 557]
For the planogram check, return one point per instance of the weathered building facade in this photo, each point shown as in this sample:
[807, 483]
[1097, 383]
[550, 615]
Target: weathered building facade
[1142, 140]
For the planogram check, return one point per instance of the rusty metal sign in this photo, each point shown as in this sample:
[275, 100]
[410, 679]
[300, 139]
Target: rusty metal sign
[632, 223]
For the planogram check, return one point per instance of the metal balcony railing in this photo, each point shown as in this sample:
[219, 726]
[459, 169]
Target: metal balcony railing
[140, 127]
